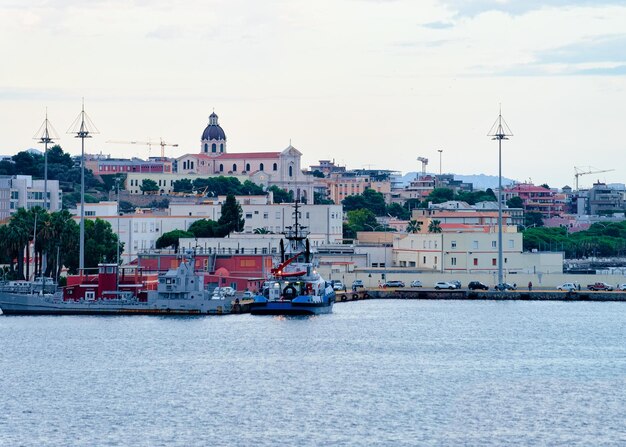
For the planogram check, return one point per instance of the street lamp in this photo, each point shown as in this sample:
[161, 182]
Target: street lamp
[500, 131]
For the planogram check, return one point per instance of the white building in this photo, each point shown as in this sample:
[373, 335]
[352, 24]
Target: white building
[140, 231]
[21, 191]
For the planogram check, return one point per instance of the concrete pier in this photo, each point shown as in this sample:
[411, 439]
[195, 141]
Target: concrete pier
[539, 295]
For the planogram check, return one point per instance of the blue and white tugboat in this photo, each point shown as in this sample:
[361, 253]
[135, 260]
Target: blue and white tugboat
[295, 287]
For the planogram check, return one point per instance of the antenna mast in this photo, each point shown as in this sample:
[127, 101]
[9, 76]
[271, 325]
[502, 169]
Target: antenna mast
[499, 131]
[82, 127]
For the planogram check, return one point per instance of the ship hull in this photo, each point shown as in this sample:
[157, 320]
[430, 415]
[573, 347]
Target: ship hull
[18, 304]
[290, 308]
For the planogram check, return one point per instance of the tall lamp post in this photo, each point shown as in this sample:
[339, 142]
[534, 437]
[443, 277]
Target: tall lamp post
[500, 131]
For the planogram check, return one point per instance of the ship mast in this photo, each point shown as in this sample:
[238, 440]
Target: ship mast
[82, 127]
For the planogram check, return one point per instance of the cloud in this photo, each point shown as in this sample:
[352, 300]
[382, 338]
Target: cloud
[517, 7]
[438, 25]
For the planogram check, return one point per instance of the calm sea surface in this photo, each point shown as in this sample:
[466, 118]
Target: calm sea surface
[388, 373]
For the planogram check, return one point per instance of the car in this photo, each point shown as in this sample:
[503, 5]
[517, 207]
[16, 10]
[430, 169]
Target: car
[598, 286]
[568, 286]
[338, 285]
[505, 286]
[477, 285]
[444, 285]
[457, 284]
[621, 287]
[394, 283]
[357, 284]
[247, 295]
[416, 283]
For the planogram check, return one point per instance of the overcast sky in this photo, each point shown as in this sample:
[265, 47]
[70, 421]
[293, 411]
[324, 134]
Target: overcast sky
[365, 82]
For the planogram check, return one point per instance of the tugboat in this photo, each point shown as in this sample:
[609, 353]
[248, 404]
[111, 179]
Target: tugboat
[295, 287]
[180, 291]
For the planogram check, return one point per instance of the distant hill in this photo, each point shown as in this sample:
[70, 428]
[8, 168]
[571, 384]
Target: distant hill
[480, 181]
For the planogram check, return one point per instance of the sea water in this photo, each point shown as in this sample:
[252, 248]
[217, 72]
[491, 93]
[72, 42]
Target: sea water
[373, 373]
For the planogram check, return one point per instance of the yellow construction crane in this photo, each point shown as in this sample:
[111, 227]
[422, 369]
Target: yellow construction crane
[584, 170]
[149, 144]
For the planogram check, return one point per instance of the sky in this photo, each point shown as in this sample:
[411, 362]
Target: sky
[368, 83]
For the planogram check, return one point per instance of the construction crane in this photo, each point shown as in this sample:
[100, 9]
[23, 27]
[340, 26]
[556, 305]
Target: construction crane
[149, 144]
[424, 162]
[587, 170]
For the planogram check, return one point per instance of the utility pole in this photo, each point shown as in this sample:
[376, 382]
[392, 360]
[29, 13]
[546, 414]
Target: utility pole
[82, 127]
[500, 131]
[440, 152]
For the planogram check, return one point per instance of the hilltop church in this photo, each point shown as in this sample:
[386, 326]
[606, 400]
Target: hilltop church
[264, 168]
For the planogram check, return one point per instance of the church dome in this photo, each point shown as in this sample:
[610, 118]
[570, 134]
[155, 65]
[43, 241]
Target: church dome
[213, 131]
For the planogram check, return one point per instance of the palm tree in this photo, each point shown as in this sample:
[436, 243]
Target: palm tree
[434, 226]
[414, 226]
[22, 231]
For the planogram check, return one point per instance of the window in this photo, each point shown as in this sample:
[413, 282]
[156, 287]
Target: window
[493, 261]
[266, 215]
[248, 215]
[274, 167]
[277, 214]
[222, 147]
[206, 147]
[453, 244]
[494, 244]
[475, 261]
[261, 167]
[511, 243]
[214, 147]
[453, 261]
[90, 213]
[234, 167]
[424, 261]
[475, 244]
[221, 168]
[248, 167]
[290, 171]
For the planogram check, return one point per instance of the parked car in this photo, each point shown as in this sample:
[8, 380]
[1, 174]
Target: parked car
[357, 284]
[477, 285]
[457, 284]
[505, 286]
[444, 285]
[247, 295]
[338, 285]
[622, 287]
[568, 286]
[391, 283]
[416, 283]
[600, 286]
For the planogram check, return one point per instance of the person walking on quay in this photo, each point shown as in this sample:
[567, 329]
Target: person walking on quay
[530, 286]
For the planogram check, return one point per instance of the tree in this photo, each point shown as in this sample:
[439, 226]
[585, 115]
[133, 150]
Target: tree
[100, 246]
[262, 231]
[363, 220]
[232, 216]
[533, 218]
[280, 195]
[317, 173]
[205, 228]
[414, 226]
[397, 210]
[321, 199]
[434, 226]
[440, 195]
[515, 202]
[183, 185]
[172, 239]
[370, 199]
[149, 186]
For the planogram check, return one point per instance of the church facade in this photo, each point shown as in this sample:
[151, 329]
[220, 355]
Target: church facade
[281, 169]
